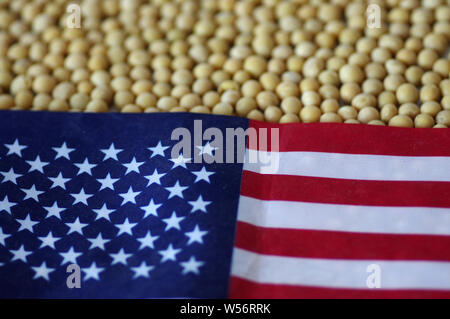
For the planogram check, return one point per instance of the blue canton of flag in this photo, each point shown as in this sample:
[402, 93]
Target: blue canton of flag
[102, 192]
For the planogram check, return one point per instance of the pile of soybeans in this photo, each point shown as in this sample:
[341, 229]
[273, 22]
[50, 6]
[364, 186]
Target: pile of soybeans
[269, 60]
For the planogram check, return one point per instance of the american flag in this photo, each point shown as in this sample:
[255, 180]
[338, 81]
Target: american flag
[349, 202]
[346, 203]
[104, 193]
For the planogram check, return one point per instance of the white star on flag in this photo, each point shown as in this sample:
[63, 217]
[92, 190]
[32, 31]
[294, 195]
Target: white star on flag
[32, 193]
[133, 166]
[103, 212]
[147, 241]
[173, 222]
[107, 182]
[207, 149]
[125, 227]
[151, 208]
[54, 210]
[155, 178]
[169, 254]
[158, 150]
[5, 205]
[10, 176]
[15, 148]
[37, 165]
[59, 181]
[199, 204]
[202, 175]
[176, 190]
[26, 223]
[142, 271]
[192, 265]
[98, 242]
[111, 152]
[63, 151]
[81, 197]
[70, 256]
[76, 226]
[42, 271]
[180, 161]
[196, 236]
[85, 167]
[129, 196]
[21, 254]
[92, 272]
[3, 236]
[49, 240]
[120, 257]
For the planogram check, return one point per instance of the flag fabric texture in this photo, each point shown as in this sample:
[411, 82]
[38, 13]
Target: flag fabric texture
[352, 211]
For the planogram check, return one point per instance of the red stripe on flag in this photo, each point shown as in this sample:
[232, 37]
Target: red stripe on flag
[359, 139]
[242, 289]
[341, 245]
[344, 191]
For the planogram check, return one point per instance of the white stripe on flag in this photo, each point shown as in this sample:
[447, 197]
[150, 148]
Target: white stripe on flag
[339, 273]
[351, 218]
[355, 166]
